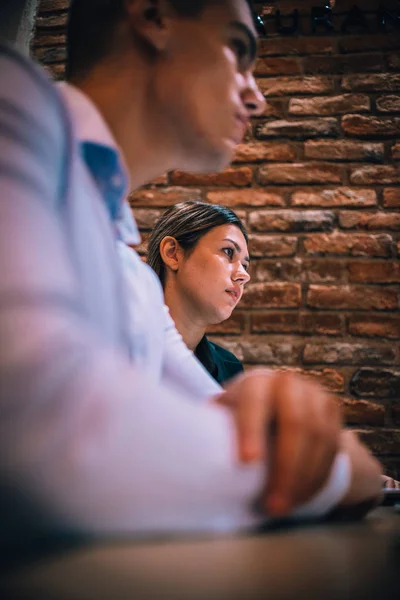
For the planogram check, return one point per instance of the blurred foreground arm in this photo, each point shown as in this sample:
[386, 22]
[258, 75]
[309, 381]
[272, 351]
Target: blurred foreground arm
[294, 426]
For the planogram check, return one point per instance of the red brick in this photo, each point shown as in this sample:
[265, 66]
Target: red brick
[287, 86]
[370, 221]
[291, 220]
[275, 108]
[391, 197]
[274, 322]
[239, 177]
[344, 150]
[364, 43]
[45, 21]
[277, 66]
[44, 38]
[296, 45]
[375, 326]
[343, 353]
[48, 55]
[272, 295]
[362, 412]
[234, 325]
[299, 173]
[296, 323]
[378, 82]
[380, 441]
[352, 297]
[396, 150]
[330, 105]
[252, 197]
[327, 324]
[342, 196]
[242, 214]
[163, 196]
[394, 61]
[396, 417]
[258, 351]
[53, 5]
[390, 103]
[299, 128]
[267, 151]
[338, 64]
[374, 272]
[272, 270]
[146, 218]
[365, 126]
[375, 174]
[379, 383]
[330, 379]
[56, 71]
[324, 270]
[268, 245]
[343, 244]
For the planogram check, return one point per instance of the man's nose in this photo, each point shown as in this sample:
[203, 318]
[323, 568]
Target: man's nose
[253, 98]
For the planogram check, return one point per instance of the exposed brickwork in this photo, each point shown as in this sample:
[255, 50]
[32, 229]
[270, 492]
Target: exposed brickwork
[318, 183]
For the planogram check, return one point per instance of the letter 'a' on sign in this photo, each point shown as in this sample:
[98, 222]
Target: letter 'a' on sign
[355, 21]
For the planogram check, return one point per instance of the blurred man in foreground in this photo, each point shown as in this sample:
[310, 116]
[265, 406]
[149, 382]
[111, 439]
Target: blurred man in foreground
[94, 435]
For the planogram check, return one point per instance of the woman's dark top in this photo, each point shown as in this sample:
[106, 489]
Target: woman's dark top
[220, 363]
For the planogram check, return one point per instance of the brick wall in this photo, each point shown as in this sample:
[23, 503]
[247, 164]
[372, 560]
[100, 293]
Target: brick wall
[318, 184]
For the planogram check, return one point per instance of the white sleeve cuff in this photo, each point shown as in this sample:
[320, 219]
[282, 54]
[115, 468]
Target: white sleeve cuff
[332, 493]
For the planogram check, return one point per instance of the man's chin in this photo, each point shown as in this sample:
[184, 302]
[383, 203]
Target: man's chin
[213, 161]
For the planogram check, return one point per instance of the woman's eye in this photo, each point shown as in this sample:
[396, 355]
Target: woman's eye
[228, 252]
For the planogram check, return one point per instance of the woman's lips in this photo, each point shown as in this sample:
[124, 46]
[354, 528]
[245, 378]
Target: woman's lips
[234, 294]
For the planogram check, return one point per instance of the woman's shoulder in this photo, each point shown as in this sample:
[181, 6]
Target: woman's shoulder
[222, 355]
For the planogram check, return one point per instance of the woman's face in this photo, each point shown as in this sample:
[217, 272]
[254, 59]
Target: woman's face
[210, 279]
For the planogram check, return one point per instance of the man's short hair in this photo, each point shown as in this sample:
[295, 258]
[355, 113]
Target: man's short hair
[91, 29]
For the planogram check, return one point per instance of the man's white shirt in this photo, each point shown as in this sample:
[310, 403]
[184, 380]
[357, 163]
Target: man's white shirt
[97, 428]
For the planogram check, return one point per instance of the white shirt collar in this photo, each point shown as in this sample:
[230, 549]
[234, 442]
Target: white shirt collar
[90, 126]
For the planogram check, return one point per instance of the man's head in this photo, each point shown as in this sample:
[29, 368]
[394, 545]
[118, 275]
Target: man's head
[193, 59]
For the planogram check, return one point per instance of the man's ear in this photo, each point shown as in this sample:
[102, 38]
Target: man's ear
[171, 253]
[149, 19]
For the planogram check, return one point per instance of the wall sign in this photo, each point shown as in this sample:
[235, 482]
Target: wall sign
[323, 20]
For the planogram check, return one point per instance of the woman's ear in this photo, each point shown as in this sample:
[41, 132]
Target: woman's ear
[171, 253]
[148, 19]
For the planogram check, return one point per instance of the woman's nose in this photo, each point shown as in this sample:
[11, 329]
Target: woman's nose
[241, 275]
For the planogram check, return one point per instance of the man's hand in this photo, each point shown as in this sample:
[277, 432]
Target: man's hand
[291, 422]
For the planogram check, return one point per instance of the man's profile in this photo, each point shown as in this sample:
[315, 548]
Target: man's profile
[93, 434]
